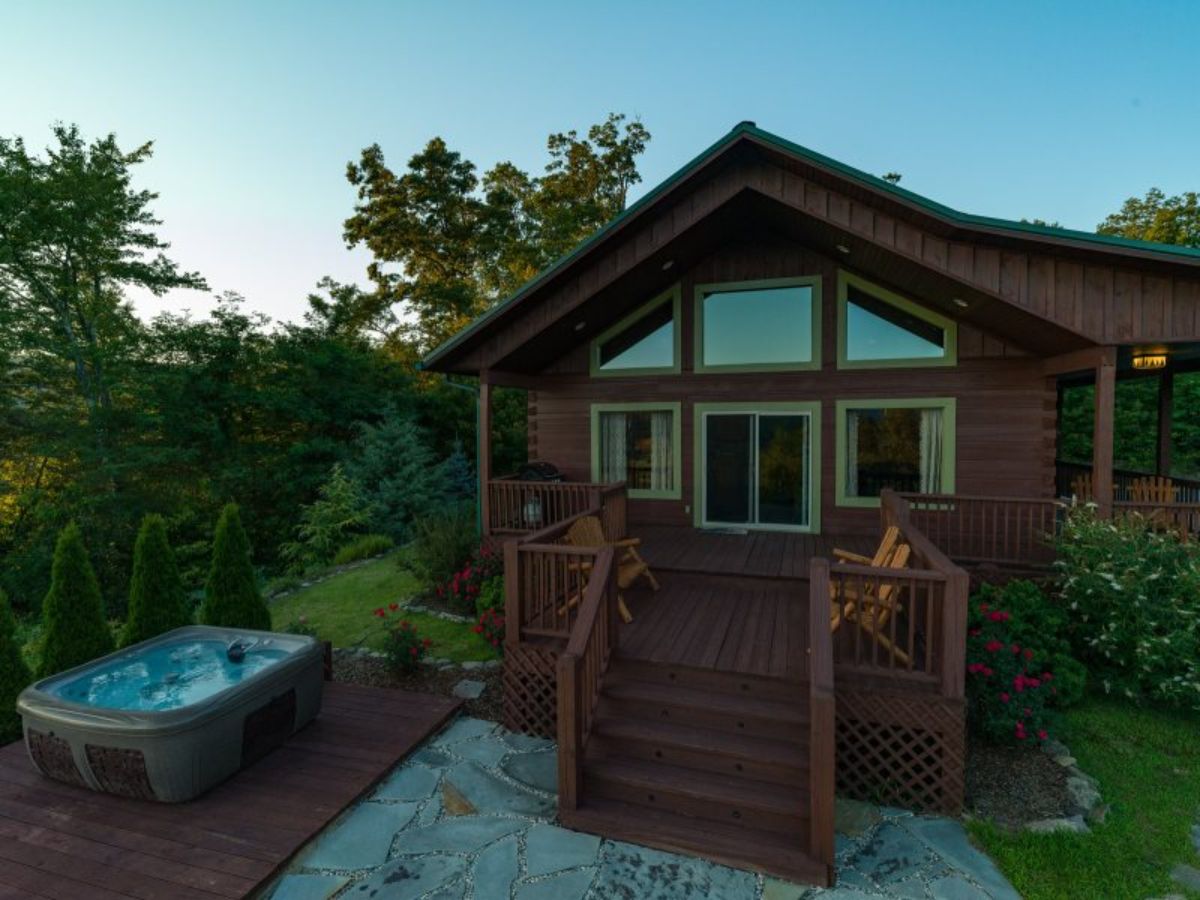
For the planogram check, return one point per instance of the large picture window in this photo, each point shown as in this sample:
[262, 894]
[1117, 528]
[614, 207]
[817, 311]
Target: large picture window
[638, 443]
[879, 329]
[645, 342]
[905, 445]
[759, 325]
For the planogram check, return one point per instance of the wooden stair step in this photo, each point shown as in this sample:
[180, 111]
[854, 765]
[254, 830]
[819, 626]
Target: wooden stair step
[735, 845]
[706, 749]
[743, 685]
[706, 795]
[704, 709]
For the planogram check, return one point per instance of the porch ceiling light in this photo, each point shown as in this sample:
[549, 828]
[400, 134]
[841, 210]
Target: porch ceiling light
[960, 303]
[668, 264]
[580, 325]
[842, 248]
[1149, 359]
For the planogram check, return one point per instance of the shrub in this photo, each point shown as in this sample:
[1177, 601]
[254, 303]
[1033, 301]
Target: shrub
[491, 594]
[74, 627]
[1006, 694]
[403, 645]
[14, 674]
[231, 596]
[464, 588]
[365, 547]
[301, 625]
[325, 524]
[1133, 597]
[1040, 625]
[457, 477]
[442, 540]
[156, 597]
[491, 627]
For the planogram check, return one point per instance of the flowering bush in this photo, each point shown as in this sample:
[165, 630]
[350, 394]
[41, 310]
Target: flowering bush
[1040, 625]
[1006, 692]
[1133, 597]
[491, 595]
[403, 645]
[465, 585]
[491, 627]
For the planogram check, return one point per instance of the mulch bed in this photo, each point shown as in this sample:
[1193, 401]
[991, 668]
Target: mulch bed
[366, 670]
[1013, 787]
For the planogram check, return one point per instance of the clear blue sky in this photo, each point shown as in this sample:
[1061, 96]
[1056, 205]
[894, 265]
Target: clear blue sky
[1049, 109]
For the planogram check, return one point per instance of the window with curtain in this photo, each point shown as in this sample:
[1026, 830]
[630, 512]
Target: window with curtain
[899, 448]
[638, 447]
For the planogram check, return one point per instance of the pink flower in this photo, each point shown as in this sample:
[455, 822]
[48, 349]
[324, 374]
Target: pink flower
[1004, 698]
[999, 616]
[993, 645]
[1042, 734]
[983, 607]
[1016, 648]
[1028, 653]
[975, 632]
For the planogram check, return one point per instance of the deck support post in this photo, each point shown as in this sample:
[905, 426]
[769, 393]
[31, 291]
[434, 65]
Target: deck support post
[483, 462]
[1102, 433]
[512, 598]
[1166, 405]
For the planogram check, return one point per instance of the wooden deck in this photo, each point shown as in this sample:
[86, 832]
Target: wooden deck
[722, 624]
[756, 554]
[67, 843]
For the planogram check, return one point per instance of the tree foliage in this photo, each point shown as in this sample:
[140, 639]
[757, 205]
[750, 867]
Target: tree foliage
[339, 512]
[1157, 217]
[231, 595]
[14, 674]
[157, 602]
[74, 626]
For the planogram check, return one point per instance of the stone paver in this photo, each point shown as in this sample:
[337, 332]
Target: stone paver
[1186, 876]
[471, 814]
[469, 689]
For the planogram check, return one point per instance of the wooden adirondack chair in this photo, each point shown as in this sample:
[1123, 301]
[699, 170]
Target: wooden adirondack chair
[873, 609]
[589, 532]
[1081, 487]
[1153, 489]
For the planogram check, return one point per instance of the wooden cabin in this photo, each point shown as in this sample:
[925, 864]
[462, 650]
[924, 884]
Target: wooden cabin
[769, 358]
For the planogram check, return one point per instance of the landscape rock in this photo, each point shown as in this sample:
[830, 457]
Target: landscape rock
[362, 838]
[948, 840]
[853, 817]
[567, 886]
[468, 689]
[407, 783]
[891, 854]
[538, 770]
[454, 803]
[627, 870]
[1083, 792]
[488, 794]
[496, 868]
[955, 887]
[1186, 876]
[456, 835]
[308, 887]
[1073, 824]
[1065, 761]
[409, 878]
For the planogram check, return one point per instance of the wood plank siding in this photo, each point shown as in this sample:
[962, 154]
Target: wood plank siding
[1006, 407]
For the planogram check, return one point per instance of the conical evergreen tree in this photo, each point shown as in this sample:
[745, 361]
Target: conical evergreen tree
[156, 596]
[14, 674]
[74, 627]
[231, 597]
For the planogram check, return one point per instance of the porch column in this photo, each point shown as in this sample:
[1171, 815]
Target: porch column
[1102, 433]
[483, 460]
[1166, 404]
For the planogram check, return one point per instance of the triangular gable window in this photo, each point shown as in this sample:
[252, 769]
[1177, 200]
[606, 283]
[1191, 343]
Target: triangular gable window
[646, 341]
[879, 328]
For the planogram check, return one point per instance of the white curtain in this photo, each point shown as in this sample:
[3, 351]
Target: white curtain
[613, 442]
[931, 451]
[851, 453]
[662, 454]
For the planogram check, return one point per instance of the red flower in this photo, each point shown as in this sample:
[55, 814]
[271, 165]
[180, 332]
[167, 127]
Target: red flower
[426, 643]
[1042, 734]
[1046, 676]
[412, 651]
[404, 623]
[393, 606]
[999, 616]
[379, 612]
[478, 629]
[1016, 648]
[993, 645]
[983, 607]
[1028, 712]
[1004, 698]
[975, 632]
[1028, 653]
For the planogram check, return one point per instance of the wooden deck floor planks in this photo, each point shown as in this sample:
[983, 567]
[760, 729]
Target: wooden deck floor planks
[59, 841]
[757, 554]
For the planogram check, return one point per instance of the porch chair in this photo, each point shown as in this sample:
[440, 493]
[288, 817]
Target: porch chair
[1081, 487]
[873, 609]
[1153, 489]
[588, 531]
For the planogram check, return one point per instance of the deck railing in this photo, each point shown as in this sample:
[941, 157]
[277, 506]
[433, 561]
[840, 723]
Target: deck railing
[522, 507]
[580, 671]
[1182, 518]
[822, 741]
[1013, 532]
[1187, 490]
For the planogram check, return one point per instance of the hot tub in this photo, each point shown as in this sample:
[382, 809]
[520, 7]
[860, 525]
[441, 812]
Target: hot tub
[170, 717]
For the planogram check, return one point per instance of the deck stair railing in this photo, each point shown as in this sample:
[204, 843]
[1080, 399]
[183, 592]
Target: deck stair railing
[822, 740]
[580, 672]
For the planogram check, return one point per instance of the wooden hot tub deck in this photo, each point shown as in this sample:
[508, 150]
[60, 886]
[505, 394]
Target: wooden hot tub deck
[68, 843]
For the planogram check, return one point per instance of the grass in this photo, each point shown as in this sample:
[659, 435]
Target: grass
[340, 609]
[1148, 764]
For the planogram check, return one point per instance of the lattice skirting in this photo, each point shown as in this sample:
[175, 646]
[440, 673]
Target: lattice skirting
[530, 697]
[901, 749]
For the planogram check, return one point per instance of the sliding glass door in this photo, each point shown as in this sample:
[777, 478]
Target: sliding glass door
[756, 467]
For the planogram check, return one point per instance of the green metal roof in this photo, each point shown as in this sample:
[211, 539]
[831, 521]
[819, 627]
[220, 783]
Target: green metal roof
[1167, 252]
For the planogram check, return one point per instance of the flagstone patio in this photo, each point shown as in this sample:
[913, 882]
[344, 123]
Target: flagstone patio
[470, 816]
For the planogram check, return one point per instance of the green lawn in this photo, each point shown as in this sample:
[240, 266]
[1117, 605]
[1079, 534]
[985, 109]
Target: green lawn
[340, 609]
[1148, 764]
